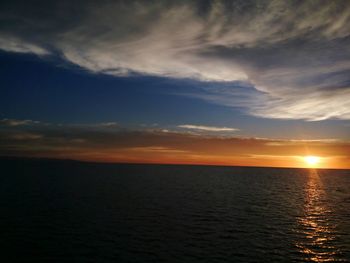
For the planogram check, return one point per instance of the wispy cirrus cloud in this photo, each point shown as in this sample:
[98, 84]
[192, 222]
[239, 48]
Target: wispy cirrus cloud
[294, 55]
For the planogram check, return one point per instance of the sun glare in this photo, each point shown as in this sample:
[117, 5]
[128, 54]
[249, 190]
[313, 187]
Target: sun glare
[312, 160]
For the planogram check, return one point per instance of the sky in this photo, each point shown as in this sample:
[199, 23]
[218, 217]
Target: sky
[259, 83]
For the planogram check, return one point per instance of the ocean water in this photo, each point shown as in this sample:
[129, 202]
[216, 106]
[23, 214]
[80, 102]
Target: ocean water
[63, 211]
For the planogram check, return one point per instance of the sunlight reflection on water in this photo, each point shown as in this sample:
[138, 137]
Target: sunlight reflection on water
[316, 230]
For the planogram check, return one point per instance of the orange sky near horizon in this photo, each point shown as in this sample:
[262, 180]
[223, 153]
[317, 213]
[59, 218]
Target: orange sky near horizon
[332, 162]
[115, 144]
[174, 148]
[164, 156]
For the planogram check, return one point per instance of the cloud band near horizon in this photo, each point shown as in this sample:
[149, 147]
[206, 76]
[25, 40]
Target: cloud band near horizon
[113, 143]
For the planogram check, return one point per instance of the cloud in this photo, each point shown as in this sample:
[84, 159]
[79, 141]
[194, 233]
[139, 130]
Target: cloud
[100, 125]
[109, 124]
[12, 44]
[157, 149]
[294, 55]
[206, 128]
[14, 122]
[25, 136]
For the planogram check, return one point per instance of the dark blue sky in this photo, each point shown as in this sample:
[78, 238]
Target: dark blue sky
[50, 90]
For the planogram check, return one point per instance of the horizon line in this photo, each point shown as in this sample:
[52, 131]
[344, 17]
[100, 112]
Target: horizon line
[35, 158]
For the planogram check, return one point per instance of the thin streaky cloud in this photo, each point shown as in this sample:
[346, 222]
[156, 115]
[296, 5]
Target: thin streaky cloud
[16, 122]
[207, 128]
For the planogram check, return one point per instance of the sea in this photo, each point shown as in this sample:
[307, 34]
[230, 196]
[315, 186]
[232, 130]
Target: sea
[69, 211]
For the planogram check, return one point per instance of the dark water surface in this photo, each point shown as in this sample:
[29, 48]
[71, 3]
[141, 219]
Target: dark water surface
[53, 211]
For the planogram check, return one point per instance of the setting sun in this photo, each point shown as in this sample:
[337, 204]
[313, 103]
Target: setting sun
[312, 160]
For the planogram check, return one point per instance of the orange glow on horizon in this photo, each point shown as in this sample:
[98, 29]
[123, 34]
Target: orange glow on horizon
[312, 161]
[219, 160]
[159, 147]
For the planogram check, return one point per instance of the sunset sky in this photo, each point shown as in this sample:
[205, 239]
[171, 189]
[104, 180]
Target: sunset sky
[257, 83]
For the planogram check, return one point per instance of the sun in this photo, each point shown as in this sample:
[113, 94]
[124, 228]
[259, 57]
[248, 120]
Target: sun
[312, 160]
